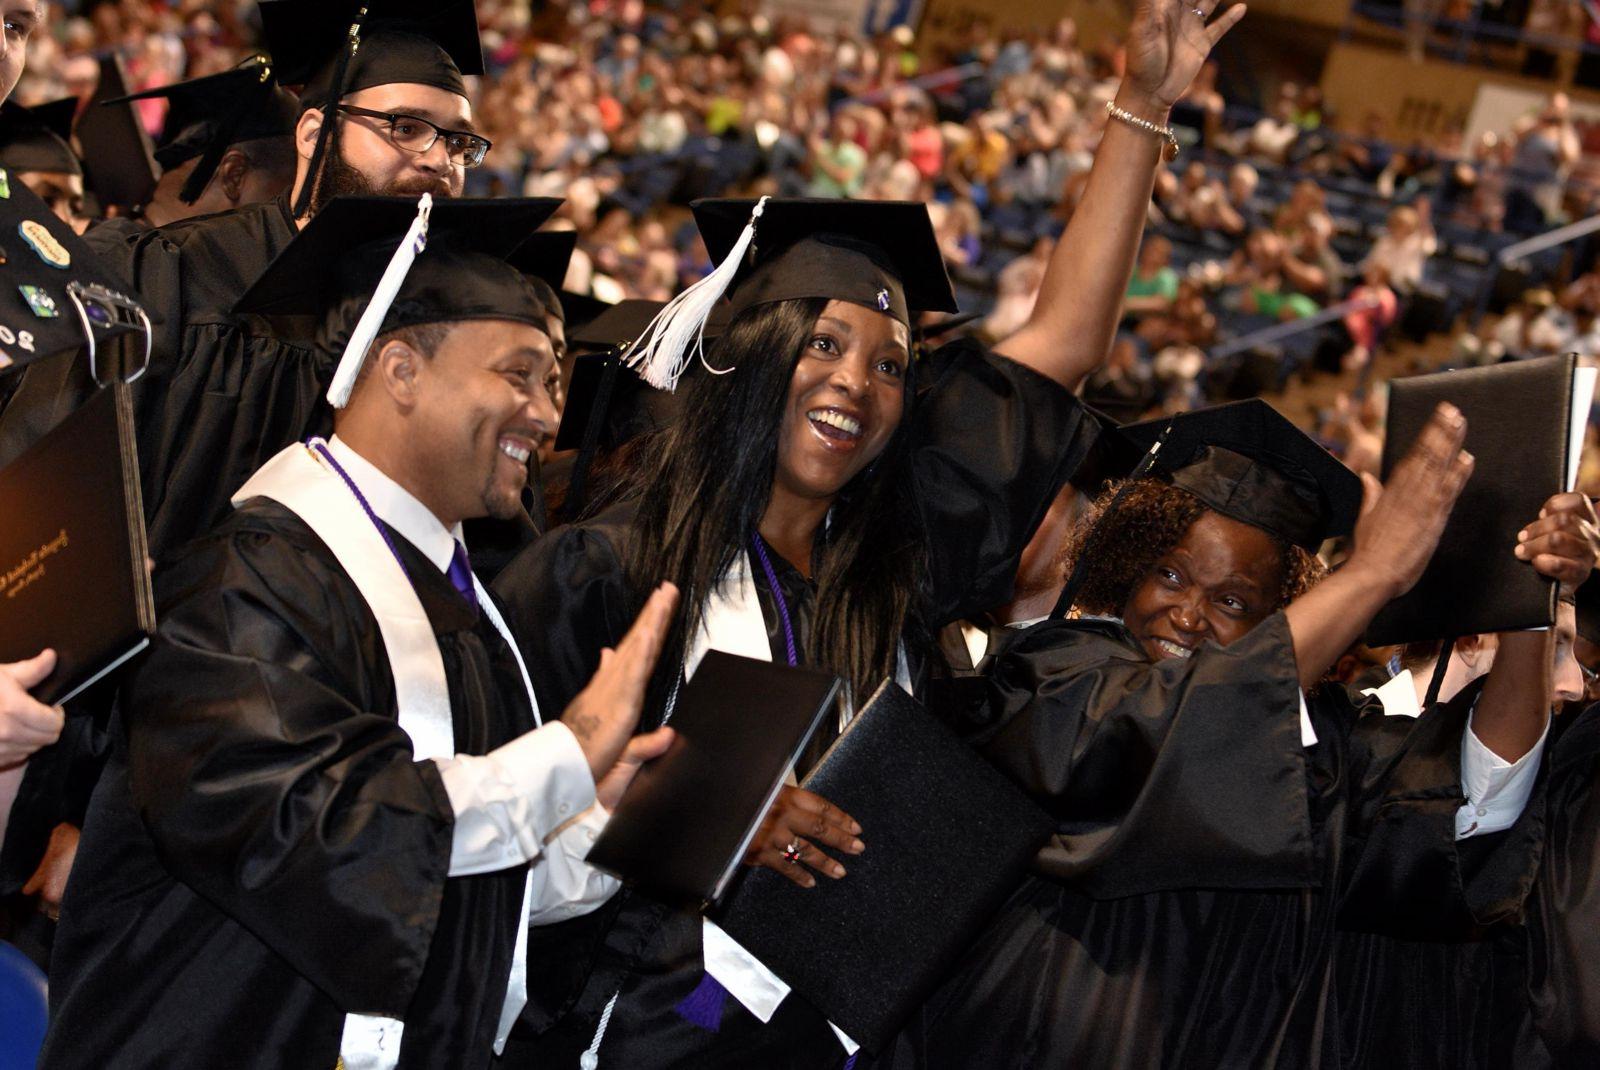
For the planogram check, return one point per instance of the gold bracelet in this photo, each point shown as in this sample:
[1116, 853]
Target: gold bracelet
[1123, 115]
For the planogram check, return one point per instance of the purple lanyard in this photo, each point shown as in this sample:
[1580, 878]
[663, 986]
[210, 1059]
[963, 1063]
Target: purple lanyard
[777, 596]
[321, 447]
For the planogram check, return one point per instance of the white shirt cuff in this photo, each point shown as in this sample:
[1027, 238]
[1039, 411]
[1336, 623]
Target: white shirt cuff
[1496, 790]
[564, 885]
[509, 801]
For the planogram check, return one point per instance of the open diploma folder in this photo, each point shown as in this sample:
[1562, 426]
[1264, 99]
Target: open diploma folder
[684, 823]
[1525, 425]
[948, 838]
[72, 548]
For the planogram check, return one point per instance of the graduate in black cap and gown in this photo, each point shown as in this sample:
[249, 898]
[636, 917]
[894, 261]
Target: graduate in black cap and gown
[227, 141]
[36, 150]
[1218, 811]
[822, 500]
[332, 813]
[223, 393]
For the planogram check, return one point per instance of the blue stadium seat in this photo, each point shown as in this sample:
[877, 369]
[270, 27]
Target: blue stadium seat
[24, 1010]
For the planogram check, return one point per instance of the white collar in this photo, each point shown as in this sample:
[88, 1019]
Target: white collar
[1399, 696]
[397, 507]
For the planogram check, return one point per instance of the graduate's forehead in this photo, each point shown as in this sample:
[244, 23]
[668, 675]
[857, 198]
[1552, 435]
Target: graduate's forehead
[1219, 549]
[439, 106]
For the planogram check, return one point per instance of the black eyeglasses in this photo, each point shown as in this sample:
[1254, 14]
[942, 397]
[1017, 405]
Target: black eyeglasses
[415, 134]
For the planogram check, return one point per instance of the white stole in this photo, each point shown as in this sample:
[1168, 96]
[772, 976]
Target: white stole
[301, 481]
[732, 623]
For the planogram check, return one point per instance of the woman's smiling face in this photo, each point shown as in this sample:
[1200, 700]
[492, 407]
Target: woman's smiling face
[1222, 579]
[846, 399]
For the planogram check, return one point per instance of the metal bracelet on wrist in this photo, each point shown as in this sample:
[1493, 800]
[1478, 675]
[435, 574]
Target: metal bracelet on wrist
[1124, 116]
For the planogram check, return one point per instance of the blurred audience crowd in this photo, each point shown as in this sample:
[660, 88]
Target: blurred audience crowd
[1271, 214]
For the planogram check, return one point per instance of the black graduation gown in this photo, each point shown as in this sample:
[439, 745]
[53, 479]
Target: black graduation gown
[263, 853]
[993, 443]
[221, 395]
[1183, 914]
[1559, 948]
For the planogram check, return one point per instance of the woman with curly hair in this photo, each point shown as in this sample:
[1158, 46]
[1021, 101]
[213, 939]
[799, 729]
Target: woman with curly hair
[1218, 813]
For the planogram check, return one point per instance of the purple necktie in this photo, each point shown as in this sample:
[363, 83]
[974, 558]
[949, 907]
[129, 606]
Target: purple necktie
[460, 574]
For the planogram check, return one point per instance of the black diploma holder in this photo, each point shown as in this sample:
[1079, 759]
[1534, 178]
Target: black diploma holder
[685, 822]
[948, 838]
[1525, 424]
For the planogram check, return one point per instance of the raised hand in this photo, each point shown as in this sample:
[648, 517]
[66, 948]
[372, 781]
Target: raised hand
[1168, 44]
[1402, 520]
[804, 821]
[1563, 542]
[604, 714]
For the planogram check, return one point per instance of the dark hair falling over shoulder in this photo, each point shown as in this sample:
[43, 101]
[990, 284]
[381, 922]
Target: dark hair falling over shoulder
[706, 484]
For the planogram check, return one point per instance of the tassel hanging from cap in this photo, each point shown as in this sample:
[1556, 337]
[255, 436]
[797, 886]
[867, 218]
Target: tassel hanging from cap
[677, 334]
[366, 331]
[330, 115]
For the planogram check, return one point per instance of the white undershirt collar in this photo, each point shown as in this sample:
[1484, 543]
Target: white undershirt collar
[397, 507]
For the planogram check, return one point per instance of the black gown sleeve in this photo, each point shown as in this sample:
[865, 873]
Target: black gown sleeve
[992, 443]
[267, 782]
[1404, 872]
[1563, 931]
[1161, 775]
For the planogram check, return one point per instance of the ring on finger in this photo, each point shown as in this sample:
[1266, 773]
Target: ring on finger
[1198, 11]
[791, 853]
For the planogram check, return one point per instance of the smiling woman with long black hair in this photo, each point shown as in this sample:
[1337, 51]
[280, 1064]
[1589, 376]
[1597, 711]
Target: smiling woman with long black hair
[822, 501]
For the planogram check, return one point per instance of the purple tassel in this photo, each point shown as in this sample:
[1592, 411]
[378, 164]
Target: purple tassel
[703, 1006]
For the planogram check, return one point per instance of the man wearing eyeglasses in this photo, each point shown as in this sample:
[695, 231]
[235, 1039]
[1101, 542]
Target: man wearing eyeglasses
[223, 393]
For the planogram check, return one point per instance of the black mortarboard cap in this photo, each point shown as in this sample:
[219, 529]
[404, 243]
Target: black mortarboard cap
[613, 326]
[1112, 455]
[39, 138]
[118, 161]
[462, 274]
[877, 254]
[429, 42]
[1248, 462]
[42, 265]
[630, 406]
[543, 258]
[580, 309]
[207, 115]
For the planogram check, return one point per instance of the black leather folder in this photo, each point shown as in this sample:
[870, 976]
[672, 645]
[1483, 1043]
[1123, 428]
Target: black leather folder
[1519, 419]
[72, 548]
[685, 821]
[948, 838]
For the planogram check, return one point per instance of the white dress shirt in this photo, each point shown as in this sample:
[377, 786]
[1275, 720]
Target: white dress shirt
[1496, 790]
[531, 800]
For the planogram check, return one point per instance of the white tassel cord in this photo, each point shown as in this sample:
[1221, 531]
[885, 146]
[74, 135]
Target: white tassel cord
[355, 352]
[677, 334]
[590, 1059]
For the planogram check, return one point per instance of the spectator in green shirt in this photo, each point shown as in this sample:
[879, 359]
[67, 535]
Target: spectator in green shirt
[838, 163]
[1154, 285]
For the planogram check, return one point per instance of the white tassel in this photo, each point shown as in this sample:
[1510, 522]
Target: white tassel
[355, 352]
[677, 334]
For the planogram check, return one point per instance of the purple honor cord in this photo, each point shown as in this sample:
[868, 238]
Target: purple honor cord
[320, 447]
[777, 596]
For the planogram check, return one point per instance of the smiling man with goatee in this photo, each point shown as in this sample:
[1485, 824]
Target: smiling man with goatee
[337, 807]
